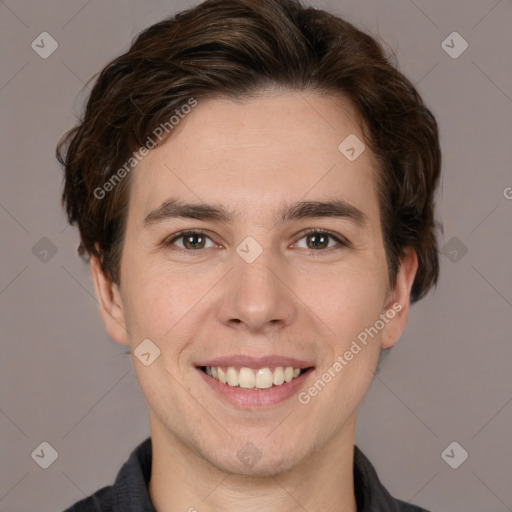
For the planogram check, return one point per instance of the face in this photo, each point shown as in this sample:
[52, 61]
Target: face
[278, 263]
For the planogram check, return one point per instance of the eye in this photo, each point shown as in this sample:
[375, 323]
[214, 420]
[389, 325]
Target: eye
[191, 240]
[318, 239]
[196, 240]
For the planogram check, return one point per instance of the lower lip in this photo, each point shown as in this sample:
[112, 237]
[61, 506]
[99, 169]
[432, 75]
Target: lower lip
[249, 398]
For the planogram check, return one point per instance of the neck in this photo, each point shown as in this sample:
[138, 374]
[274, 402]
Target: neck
[182, 479]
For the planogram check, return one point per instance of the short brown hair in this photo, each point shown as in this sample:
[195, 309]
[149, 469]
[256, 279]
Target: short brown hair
[235, 48]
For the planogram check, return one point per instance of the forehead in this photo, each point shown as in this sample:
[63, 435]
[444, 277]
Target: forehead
[256, 154]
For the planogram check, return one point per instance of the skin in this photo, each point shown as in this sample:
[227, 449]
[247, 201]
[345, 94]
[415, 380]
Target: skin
[294, 300]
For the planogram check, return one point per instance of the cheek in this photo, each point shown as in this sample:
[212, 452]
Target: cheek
[156, 298]
[350, 311]
[352, 303]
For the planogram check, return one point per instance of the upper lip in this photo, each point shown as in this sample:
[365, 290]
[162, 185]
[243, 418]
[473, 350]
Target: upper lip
[256, 362]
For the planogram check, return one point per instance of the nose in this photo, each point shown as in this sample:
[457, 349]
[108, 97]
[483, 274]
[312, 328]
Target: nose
[258, 296]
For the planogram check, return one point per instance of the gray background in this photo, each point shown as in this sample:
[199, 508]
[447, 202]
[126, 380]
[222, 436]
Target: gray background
[63, 381]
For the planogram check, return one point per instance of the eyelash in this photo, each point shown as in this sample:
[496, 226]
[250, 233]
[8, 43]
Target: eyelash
[168, 242]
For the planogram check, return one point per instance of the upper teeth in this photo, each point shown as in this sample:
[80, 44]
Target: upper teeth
[248, 378]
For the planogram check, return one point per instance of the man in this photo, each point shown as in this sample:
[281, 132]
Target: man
[254, 183]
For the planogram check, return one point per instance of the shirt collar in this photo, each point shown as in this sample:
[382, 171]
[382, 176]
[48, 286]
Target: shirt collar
[371, 495]
[130, 492]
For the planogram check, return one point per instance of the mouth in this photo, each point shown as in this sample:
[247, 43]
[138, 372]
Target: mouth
[255, 383]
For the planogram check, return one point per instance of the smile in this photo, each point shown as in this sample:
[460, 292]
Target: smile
[254, 379]
[254, 382]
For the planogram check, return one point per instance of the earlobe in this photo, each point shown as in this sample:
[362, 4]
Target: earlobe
[399, 302]
[111, 306]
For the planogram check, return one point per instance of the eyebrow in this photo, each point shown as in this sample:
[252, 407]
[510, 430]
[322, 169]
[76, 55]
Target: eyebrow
[173, 208]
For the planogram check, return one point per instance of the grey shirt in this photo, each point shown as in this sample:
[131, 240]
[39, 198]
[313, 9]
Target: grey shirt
[130, 491]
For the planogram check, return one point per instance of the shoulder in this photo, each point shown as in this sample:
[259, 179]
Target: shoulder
[100, 501]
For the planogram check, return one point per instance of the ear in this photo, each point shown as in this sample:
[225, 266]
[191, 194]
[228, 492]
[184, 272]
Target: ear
[111, 306]
[399, 300]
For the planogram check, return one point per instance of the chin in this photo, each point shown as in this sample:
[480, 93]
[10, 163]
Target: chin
[251, 462]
